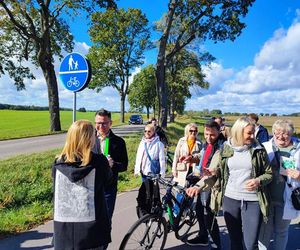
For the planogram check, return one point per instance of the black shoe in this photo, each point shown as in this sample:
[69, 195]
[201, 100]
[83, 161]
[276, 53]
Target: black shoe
[198, 241]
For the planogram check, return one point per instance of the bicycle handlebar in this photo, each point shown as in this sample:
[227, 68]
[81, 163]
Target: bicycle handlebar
[165, 182]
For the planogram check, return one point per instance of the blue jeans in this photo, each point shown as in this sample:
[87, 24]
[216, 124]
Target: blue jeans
[276, 225]
[243, 219]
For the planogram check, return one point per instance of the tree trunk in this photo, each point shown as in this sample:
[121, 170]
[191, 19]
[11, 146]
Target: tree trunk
[53, 100]
[161, 66]
[122, 116]
[161, 85]
[148, 112]
[171, 114]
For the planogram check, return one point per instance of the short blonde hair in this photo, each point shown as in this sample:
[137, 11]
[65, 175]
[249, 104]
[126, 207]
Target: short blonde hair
[285, 126]
[151, 127]
[188, 127]
[237, 130]
[79, 143]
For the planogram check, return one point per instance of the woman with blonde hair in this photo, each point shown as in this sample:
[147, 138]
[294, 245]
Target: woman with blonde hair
[80, 214]
[242, 171]
[187, 154]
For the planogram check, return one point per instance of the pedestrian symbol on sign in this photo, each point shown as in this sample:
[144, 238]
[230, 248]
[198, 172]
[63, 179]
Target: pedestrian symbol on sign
[74, 72]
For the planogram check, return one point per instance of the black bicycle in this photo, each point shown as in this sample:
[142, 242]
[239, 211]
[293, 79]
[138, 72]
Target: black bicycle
[174, 212]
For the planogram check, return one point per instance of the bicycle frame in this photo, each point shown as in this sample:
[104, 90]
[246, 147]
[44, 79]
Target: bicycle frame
[150, 231]
[169, 201]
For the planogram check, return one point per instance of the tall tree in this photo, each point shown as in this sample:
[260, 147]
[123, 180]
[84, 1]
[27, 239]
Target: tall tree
[142, 90]
[119, 40]
[184, 74]
[33, 30]
[216, 20]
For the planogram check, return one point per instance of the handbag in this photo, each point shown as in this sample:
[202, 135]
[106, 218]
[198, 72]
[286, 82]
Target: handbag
[295, 196]
[155, 165]
[181, 166]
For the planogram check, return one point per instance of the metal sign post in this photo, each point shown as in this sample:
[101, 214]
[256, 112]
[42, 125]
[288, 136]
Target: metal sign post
[74, 107]
[75, 74]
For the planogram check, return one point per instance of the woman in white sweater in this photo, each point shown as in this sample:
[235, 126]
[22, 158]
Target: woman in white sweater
[150, 158]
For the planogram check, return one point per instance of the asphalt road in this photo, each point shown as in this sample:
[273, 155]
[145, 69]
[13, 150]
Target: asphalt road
[10, 148]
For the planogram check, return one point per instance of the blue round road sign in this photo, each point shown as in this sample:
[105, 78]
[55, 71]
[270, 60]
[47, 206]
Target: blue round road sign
[75, 72]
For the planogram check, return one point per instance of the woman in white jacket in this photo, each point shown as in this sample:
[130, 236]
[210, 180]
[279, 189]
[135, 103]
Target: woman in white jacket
[150, 158]
[284, 155]
[187, 154]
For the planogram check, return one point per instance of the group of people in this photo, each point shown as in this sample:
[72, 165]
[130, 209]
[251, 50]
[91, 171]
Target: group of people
[251, 178]
[239, 170]
[85, 178]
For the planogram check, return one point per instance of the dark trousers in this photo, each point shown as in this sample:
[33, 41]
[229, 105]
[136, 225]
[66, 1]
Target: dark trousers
[243, 219]
[110, 197]
[148, 196]
[207, 221]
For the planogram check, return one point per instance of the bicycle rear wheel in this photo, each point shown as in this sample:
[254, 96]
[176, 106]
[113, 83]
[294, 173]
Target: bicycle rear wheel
[149, 232]
[187, 218]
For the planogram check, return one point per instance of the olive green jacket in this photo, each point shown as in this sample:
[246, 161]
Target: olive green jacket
[261, 169]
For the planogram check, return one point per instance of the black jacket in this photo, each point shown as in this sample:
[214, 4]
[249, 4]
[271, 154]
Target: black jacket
[161, 134]
[118, 152]
[80, 213]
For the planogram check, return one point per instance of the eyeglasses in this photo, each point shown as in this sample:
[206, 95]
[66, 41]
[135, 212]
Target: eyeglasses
[193, 131]
[103, 124]
[284, 135]
[147, 131]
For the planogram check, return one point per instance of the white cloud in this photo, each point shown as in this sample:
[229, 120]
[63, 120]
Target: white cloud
[276, 67]
[270, 85]
[216, 75]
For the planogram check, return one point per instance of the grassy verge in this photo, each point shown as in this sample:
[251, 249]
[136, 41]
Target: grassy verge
[26, 182]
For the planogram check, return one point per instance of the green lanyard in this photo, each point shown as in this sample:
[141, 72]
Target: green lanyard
[105, 152]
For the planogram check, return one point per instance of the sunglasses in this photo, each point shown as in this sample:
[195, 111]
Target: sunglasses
[147, 131]
[193, 131]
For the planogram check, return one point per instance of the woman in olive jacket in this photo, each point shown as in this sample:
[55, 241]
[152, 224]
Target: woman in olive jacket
[240, 173]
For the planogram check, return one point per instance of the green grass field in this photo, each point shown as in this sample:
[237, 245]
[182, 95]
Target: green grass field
[20, 124]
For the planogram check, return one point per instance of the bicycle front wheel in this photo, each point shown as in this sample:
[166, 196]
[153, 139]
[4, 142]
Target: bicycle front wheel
[187, 218]
[149, 232]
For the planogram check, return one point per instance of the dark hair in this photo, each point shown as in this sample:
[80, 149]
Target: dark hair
[212, 124]
[253, 116]
[153, 119]
[103, 112]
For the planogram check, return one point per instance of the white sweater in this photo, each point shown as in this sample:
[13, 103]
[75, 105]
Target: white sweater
[156, 151]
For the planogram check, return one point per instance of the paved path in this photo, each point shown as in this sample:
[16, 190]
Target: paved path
[124, 216]
[10, 148]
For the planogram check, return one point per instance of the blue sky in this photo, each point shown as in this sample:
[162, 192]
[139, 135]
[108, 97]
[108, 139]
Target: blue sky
[258, 72]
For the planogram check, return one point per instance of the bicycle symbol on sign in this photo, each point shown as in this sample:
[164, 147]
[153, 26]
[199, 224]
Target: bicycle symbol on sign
[73, 81]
